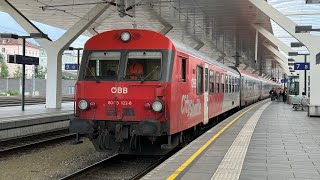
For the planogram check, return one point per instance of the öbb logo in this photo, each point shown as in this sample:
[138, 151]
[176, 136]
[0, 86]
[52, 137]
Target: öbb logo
[119, 90]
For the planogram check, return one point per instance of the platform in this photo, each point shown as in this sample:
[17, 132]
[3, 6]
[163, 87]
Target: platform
[35, 119]
[269, 141]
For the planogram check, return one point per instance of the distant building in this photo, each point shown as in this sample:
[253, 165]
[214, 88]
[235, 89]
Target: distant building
[14, 46]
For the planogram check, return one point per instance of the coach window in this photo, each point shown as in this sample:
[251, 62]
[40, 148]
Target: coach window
[230, 84]
[217, 82]
[237, 84]
[103, 65]
[199, 80]
[183, 69]
[227, 84]
[222, 83]
[233, 82]
[211, 82]
[206, 80]
[143, 66]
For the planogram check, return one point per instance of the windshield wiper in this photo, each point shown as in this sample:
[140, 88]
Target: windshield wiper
[94, 76]
[143, 79]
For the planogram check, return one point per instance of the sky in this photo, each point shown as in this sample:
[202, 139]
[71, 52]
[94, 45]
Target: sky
[11, 26]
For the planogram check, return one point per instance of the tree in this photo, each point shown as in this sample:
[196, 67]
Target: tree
[3, 68]
[40, 72]
[18, 73]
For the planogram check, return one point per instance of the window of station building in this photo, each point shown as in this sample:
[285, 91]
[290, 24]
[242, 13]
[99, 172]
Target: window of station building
[222, 83]
[206, 80]
[217, 82]
[183, 69]
[211, 82]
[3, 50]
[199, 80]
[143, 66]
[102, 65]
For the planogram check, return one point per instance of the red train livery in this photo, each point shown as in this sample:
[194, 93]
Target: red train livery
[138, 92]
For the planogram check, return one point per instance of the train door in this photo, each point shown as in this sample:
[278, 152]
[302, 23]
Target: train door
[206, 95]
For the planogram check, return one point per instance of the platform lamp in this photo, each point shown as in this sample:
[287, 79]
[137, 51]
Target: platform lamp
[312, 1]
[15, 36]
[304, 29]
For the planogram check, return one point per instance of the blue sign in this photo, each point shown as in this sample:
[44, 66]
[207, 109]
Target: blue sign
[19, 59]
[301, 66]
[284, 80]
[71, 67]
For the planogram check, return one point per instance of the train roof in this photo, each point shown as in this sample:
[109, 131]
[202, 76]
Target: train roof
[180, 46]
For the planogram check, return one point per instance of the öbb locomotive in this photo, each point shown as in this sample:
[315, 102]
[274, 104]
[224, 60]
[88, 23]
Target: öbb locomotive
[139, 92]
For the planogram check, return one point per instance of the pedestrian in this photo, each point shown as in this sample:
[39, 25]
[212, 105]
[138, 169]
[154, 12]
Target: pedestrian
[284, 96]
[280, 96]
[271, 93]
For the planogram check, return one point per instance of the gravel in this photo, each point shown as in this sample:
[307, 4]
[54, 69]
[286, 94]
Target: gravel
[50, 162]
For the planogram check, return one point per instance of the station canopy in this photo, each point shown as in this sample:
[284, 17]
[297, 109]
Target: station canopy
[220, 29]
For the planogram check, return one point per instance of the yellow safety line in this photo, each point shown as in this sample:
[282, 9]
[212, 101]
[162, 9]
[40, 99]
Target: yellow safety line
[196, 154]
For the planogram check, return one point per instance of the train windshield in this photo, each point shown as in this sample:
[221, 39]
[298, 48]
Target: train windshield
[143, 66]
[103, 65]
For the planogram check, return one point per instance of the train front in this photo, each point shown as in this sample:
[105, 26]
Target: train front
[122, 92]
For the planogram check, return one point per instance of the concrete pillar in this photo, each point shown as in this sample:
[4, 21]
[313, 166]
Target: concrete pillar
[53, 91]
[54, 79]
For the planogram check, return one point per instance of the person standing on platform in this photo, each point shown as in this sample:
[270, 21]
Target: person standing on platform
[280, 96]
[271, 94]
[284, 96]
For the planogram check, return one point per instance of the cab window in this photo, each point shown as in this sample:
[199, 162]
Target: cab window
[102, 65]
[143, 66]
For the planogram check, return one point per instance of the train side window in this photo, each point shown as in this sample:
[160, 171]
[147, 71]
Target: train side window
[227, 84]
[237, 84]
[206, 80]
[233, 84]
[222, 83]
[183, 69]
[217, 82]
[199, 80]
[211, 82]
[230, 84]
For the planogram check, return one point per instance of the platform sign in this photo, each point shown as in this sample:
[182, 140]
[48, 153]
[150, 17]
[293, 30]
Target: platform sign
[71, 67]
[301, 66]
[19, 59]
[284, 80]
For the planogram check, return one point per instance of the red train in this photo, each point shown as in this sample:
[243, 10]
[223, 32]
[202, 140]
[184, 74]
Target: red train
[140, 92]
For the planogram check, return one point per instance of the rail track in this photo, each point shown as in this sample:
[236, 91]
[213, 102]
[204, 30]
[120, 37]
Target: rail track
[120, 167]
[23, 142]
[16, 100]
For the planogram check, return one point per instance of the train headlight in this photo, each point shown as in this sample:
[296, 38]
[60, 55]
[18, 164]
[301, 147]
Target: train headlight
[125, 36]
[83, 105]
[157, 106]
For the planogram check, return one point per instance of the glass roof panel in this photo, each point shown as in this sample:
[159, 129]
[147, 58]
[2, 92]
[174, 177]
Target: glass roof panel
[299, 12]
